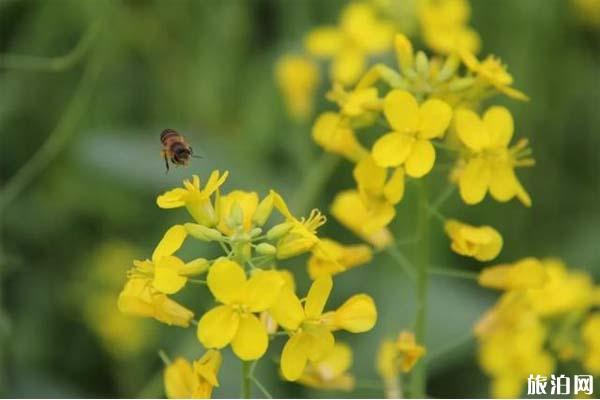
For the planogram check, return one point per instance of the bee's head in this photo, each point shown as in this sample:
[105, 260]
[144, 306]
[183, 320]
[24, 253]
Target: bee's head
[182, 153]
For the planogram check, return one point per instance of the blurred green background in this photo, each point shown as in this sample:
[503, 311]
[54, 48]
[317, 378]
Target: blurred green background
[206, 69]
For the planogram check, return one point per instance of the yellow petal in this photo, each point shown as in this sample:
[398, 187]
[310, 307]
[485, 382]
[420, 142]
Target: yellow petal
[166, 275]
[348, 65]
[421, 159]
[339, 359]
[404, 52]
[208, 366]
[170, 312]
[251, 339]
[172, 199]
[500, 125]
[294, 356]
[392, 149]
[317, 297]
[247, 201]
[503, 183]
[287, 310]
[491, 249]
[474, 181]
[321, 342]
[170, 243]
[180, 380]
[217, 328]
[215, 180]
[394, 188]
[226, 279]
[323, 42]
[434, 118]
[471, 130]
[136, 299]
[369, 177]
[262, 290]
[357, 314]
[402, 111]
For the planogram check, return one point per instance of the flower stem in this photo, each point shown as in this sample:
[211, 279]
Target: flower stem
[417, 384]
[246, 380]
[314, 181]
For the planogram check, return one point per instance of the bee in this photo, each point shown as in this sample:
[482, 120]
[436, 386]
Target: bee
[175, 148]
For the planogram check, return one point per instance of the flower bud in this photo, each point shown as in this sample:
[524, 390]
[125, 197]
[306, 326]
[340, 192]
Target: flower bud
[263, 211]
[194, 267]
[266, 249]
[236, 216]
[422, 64]
[279, 230]
[203, 233]
[255, 232]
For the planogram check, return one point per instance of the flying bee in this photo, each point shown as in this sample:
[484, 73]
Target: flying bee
[175, 148]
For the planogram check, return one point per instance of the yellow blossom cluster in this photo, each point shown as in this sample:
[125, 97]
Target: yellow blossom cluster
[543, 318]
[256, 298]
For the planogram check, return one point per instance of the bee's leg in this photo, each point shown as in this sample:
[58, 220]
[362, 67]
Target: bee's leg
[166, 163]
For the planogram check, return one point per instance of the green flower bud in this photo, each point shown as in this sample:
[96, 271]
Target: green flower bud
[194, 267]
[203, 233]
[255, 232]
[460, 84]
[279, 230]
[266, 249]
[236, 216]
[263, 211]
[422, 64]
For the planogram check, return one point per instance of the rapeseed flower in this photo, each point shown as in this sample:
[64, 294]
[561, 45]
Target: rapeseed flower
[590, 334]
[331, 372]
[234, 321]
[183, 380]
[482, 243]
[360, 33]
[395, 357]
[298, 78]
[489, 163]
[332, 258]
[335, 135]
[378, 191]
[414, 125]
[239, 200]
[410, 352]
[197, 201]
[528, 273]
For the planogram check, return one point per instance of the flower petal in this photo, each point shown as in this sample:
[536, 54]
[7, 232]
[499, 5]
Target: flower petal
[172, 198]
[317, 297]
[262, 290]
[421, 159]
[471, 130]
[394, 188]
[180, 380]
[166, 275]
[287, 310]
[294, 357]
[392, 149]
[503, 183]
[434, 118]
[325, 41]
[500, 125]
[251, 339]
[348, 65]
[170, 243]
[402, 111]
[357, 314]
[218, 327]
[474, 181]
[321, 342]
[226, 280]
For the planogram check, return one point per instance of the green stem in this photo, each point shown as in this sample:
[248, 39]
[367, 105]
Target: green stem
[418, 377]
[164, 357]
[314, 181]
[402, 261]
[453, 273]
[246, 392]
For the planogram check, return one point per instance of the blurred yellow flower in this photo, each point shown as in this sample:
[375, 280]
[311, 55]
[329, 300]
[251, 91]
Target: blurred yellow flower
[410, 352]
[332, 258]
[492, 73]
[139, 298]
[490, 163]
[590, 333]
[233, 321]
[359, 34]
[198, 202]
[396, 356]
[298, 78]
[414, 126]
[444, 26]
[482, 243]
[334, 134]
[370, 225]
[588, 12]
[302, 237]
[528, 273]
[331, 372]
[378, 191]
[355, 103]
[183, 380]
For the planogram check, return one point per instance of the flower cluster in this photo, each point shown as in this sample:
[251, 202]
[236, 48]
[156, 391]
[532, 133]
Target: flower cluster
[542, 319]
[255, 297]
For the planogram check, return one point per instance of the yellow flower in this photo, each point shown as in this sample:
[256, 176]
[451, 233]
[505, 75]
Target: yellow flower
[527, 273]
[302, 235]
[379, 192]
[590, 333]
[491, 163]
[414, 126]
[247, 202]
[184, 381]
[491, 72]
[482, 243]
[410, 352]
[198, 202]
[298, 78]
[311, 338]
[139, 298]
[334, 134]
[444, 25]
[355, 103]
[331, 372]
[233, 321]
[333, 258]
[370, 225]
[359, 34]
